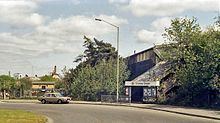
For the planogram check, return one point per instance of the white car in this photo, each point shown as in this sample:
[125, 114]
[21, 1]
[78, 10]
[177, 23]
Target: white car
[53, 98]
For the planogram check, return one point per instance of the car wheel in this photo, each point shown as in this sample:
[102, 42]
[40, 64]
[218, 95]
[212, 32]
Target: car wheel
[59, 101]
[43, 101]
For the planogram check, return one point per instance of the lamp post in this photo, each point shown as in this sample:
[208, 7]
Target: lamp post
[117, 68]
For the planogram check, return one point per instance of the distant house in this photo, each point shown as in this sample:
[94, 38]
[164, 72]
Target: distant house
[35, 78]
[17, 75]
[40, 86]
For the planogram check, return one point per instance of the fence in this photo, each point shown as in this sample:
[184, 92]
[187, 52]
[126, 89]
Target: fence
[113, 99]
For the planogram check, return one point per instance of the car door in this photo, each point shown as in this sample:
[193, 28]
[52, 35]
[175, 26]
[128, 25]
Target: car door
[46, 97]
[53, 98]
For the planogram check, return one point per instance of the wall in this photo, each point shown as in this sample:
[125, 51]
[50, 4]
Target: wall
[141, 62]
[40, 86]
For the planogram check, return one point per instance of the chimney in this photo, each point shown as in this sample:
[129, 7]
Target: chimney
[134, 51]
[9, 73]
[55, 69]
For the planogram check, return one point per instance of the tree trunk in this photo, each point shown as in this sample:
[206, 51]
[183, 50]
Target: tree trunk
[4, 94]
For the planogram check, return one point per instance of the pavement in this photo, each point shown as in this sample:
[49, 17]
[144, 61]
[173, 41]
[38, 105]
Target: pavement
[195, 112]
[204, 113]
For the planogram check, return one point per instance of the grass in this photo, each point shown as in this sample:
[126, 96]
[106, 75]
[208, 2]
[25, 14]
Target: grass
[19, 116]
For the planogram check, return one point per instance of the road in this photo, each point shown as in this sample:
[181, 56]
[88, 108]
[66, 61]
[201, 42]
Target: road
[81, 113]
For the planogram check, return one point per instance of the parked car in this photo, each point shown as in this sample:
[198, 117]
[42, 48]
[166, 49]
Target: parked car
[53, 98]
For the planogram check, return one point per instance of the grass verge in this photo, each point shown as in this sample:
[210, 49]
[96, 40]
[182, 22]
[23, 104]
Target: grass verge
[19, 116]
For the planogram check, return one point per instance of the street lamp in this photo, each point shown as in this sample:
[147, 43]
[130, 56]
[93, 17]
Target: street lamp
[117, 68]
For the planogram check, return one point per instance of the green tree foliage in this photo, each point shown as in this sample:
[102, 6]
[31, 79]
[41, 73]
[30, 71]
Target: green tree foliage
[68, 78]
[195, 57]
[92, 82]
[7, 83]
[59, 85]
[217, 22]
[48, 78]
[24, 86]
[96, 51]
[25, 83]
[96, 73]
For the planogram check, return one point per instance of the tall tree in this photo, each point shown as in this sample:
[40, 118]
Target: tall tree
[96, 51]
[92, 82]
[7, 83]
[96, 73]
[195, 61]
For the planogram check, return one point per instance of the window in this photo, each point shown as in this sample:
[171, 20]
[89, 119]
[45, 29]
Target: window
[138, 59]
[142, 58]
[59, 95]
[146, 55]
[150, 91]
[47, 95]
[43, 87]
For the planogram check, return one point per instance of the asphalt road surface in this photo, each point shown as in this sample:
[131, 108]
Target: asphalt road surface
[81, 113]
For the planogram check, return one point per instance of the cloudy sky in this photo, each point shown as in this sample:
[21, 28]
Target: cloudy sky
[35, 35]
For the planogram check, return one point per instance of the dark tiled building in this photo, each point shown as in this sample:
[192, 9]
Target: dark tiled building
[141, 62]
[147, 69]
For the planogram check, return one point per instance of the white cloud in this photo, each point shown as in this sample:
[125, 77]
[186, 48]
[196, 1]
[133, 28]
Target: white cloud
[154, 34]
[75, 2]
[161, 23]
[170, 7]
[63, 35]
[113, 19]
[57, 36]
[14, 63]
[14, 3]
[118, 1]
[145, 35]
[20, 13]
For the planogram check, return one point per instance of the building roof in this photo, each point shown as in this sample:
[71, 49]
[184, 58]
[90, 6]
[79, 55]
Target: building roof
[140, 52]
[154, 74]
[35, 78]
[154, 48]
[41, 82]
